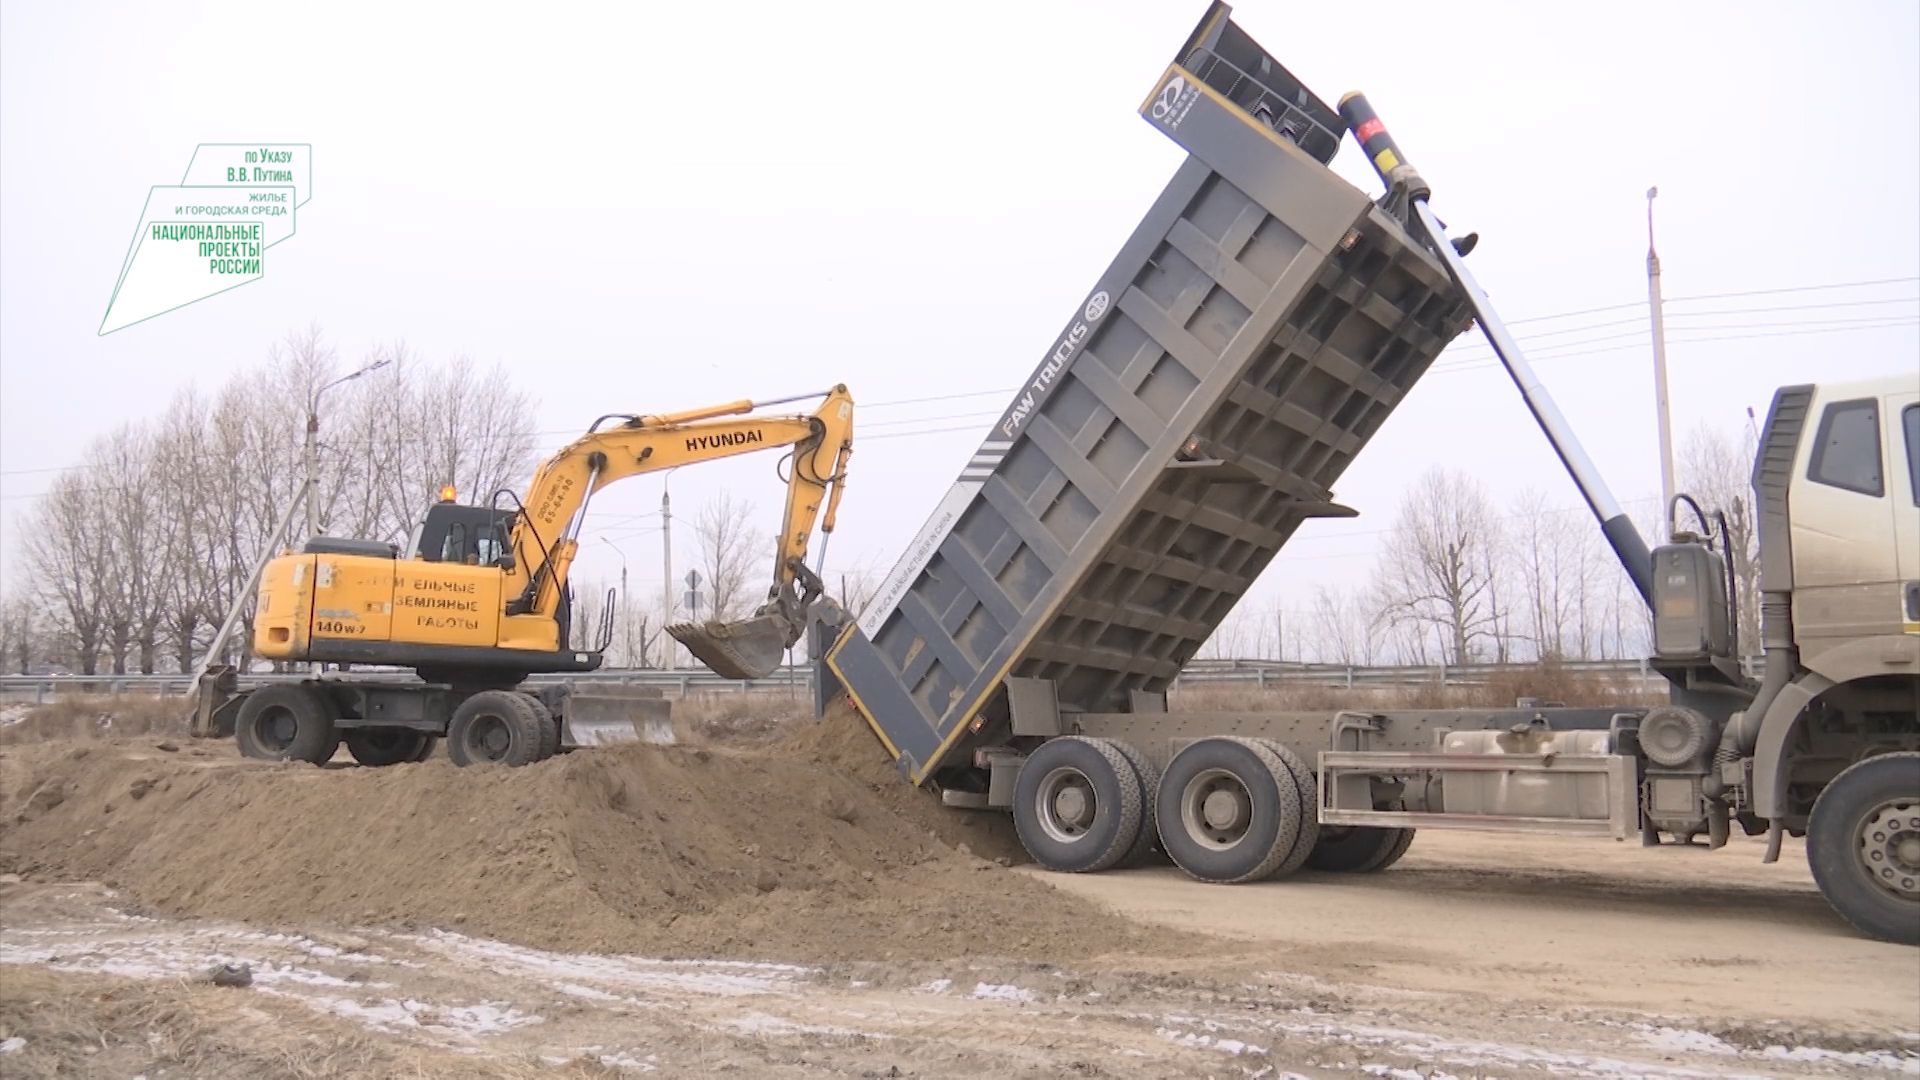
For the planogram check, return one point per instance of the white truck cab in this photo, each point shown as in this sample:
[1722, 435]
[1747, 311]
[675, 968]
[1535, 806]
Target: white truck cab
[1854, 508]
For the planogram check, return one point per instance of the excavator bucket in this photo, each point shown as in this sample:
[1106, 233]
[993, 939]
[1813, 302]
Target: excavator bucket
[744, 649]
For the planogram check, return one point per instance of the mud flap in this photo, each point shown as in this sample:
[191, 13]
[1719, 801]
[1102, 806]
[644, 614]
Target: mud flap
[746, 649]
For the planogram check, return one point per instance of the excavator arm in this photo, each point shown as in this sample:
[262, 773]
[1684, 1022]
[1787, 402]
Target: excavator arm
[546, 531]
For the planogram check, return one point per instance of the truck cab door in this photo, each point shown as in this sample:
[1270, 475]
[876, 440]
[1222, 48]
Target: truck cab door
[1903, 436]
[1849, 570]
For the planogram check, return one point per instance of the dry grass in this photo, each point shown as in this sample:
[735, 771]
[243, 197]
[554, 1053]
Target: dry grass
[84, 1025]
[757, 717]
[98, 717]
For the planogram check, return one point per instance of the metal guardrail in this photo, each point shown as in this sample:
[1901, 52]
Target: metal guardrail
[1257, 674]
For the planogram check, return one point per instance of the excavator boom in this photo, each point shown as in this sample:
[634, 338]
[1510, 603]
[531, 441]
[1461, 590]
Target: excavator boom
[544, 538]
[482, 598]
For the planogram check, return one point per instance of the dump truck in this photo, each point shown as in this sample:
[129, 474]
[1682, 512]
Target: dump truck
[1262, 321]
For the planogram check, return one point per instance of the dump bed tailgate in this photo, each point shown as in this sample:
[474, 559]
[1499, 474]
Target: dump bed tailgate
[1252, 334]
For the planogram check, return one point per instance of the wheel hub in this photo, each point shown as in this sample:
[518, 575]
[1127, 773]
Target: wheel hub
[1216, 809]
[489, 738]
[1222, 810]
[1068, 806]
[1071, 806]
[1890, 847]
[278, 728]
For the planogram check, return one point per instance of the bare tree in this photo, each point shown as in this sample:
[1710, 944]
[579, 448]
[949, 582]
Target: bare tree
[857, 588]
[1556, 561]
[730, 552]
[68, 554]
[1232, 639]
[1344, 631]
[1437, 572]
[138, 554]
[1717, 470]
[18, 627]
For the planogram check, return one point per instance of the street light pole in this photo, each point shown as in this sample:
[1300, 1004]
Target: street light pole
[1660, 375]
[313, 441]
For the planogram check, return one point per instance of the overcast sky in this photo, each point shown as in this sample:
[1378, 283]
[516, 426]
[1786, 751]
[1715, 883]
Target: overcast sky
[648, 207]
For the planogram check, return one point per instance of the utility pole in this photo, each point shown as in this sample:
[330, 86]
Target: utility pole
[313, 441]
[666, 559]
[1660, 376]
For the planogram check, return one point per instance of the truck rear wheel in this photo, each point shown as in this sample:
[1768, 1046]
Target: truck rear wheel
[1863, 846]
[1229, 810]
[1309, 793]
[1142, 848]
[1077, 804]
[1358, 849]
[377, 746]
[494, 727]
[285, 723]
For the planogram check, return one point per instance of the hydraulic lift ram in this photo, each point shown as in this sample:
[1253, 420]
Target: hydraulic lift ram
[1403, 180]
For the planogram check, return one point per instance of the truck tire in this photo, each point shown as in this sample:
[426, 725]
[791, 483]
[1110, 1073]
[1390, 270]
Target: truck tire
[377, 746]
[549, 729]
[1863, 845]
[1309, 793]
[1142, 850]
[494, 727]
[286, 723]
[1229, 810]
[1076, 804]
[1358, 849]
[427, 747]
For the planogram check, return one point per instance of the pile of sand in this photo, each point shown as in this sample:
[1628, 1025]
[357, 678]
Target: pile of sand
[811, 848]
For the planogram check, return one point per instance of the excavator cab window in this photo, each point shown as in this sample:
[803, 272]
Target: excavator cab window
[475, 535]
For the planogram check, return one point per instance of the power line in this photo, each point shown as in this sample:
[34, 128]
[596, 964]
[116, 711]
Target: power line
[1793, 289]
[961, 395]
[1796, 307]
[1482, 363]
[1642, 333]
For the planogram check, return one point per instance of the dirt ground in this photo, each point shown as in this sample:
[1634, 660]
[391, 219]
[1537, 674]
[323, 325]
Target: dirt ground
[789, 907]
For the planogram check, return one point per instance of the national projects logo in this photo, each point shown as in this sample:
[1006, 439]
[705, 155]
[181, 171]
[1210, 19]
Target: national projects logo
[210, 232]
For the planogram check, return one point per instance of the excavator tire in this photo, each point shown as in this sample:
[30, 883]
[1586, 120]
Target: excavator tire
[549, 730]
[494, 727]
[285, 723]
[379, 746]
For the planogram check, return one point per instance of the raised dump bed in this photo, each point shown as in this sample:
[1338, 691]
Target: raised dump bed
[1252, 334]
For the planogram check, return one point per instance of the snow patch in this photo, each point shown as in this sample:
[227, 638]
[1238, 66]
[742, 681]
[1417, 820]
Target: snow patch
[757, 1023]
[1002, 992]
[1682, 1040]
[718, 978]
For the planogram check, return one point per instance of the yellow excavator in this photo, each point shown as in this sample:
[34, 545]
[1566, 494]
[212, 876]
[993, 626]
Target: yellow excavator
[481, 601]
